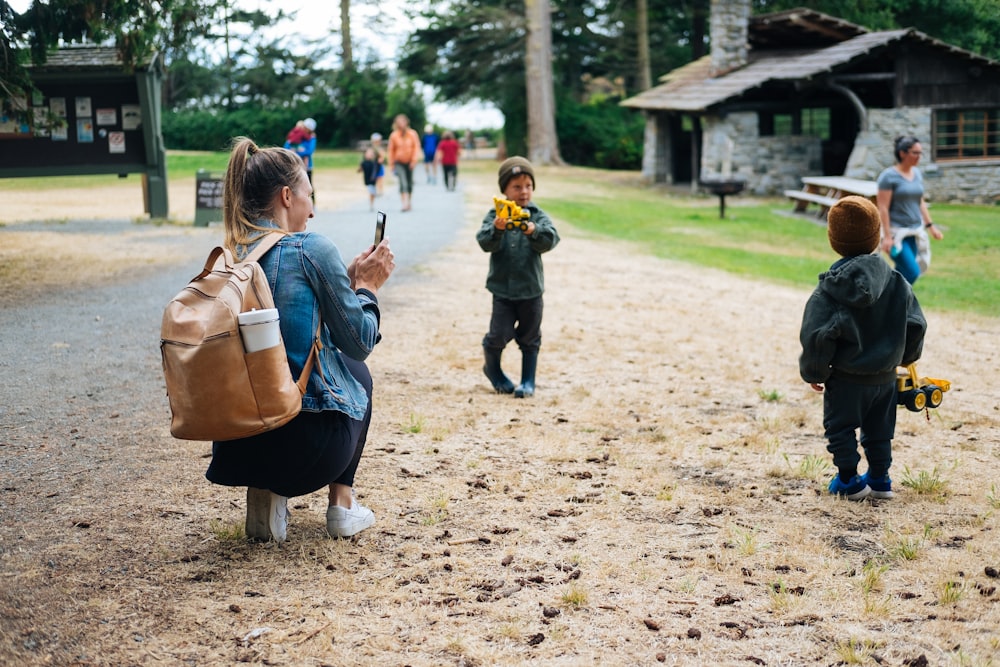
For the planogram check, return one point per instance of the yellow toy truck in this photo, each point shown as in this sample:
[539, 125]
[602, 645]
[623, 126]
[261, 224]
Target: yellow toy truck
[916, 392]
[516, 216]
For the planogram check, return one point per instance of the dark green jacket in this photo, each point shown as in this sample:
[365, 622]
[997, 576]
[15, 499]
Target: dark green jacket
[516, 258]
[860, 323]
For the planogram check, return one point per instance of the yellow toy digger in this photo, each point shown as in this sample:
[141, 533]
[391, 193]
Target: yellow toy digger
[916, 392]
[515, 215]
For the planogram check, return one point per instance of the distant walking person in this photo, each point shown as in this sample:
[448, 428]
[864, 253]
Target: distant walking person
[447, 154]
[430, 144]
[376, 144]
[304, 145]
[369, 169]
[297, 135]
[470, 141]
[903, 211]
[404, 153]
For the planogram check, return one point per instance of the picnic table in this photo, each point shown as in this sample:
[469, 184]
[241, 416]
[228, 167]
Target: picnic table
[824, 191]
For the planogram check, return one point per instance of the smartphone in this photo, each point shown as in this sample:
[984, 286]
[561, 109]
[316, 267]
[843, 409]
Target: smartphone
[379, 227]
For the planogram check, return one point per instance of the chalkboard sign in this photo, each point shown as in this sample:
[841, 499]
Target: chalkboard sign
[208, 197]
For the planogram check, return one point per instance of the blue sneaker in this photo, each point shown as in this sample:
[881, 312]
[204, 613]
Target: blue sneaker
[856, 489]
[881, 486]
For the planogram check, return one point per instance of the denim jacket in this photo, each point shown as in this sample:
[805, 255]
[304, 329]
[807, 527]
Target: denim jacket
[309, 282]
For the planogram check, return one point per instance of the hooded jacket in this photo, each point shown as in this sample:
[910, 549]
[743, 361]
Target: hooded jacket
[516, 258]
[861, 322]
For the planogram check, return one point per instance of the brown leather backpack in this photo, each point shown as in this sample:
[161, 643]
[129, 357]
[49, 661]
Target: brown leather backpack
[217, 391]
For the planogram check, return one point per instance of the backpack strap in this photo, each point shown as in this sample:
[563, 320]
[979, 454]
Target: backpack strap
[267, 241]
[303, 380]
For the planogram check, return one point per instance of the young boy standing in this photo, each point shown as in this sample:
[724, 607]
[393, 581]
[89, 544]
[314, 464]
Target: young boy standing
[861, 322]
[515, 278]
[369, 169]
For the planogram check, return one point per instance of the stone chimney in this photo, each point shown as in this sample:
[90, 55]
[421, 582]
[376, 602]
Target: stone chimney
[729, 33]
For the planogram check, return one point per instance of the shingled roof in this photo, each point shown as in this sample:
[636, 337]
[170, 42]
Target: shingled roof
[690, 88]
[836, 45]
[799, 28]
[81, 58]
[87, 58]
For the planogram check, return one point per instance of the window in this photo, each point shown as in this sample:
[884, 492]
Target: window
[805, 122]
[784, 125]
[967, 135]
[816, 123]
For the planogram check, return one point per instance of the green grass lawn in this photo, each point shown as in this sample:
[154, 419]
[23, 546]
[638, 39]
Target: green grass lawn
[759, 238]
[182, 164]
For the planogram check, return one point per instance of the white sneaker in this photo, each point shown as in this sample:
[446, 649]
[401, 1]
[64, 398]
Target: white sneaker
[267, 515]
[343, 522]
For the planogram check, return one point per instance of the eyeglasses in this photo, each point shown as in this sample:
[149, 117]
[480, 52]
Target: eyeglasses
[915, 152]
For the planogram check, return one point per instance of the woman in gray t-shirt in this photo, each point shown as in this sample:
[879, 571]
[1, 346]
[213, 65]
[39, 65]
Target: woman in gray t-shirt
[903, 211]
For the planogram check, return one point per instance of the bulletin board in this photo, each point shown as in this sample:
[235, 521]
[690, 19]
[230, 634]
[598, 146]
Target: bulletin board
[88, 114]
[76, 124]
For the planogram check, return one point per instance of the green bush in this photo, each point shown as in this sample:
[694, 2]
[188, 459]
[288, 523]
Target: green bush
[348, 107]
[600, 134]
[210, 130]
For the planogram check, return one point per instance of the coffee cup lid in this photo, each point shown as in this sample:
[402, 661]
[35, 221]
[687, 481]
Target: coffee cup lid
[258, 316]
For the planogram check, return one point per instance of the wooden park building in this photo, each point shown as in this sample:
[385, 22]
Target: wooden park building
[801, 93]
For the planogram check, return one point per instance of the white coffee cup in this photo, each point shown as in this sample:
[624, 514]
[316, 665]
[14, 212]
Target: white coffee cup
[259, 329]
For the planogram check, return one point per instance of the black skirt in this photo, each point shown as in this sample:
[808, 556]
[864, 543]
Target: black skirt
[313, 450]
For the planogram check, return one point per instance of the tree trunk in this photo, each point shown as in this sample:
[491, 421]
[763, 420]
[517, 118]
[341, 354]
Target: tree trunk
[543, 142]
[347, 51]
[645, 79]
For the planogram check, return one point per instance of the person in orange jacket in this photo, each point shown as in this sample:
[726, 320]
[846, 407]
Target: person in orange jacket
[404, 153]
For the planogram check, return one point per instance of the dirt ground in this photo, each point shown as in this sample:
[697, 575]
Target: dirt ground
[661, 500]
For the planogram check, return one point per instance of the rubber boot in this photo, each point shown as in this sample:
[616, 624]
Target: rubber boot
[529, 361]
[501, 383]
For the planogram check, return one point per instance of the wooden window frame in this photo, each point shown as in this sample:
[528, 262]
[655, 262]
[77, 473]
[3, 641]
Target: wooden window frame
[966, 134]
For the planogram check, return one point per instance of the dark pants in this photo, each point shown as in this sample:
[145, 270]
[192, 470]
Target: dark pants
[450, 175]
[872, 408]
[515, 319]
[306, 454]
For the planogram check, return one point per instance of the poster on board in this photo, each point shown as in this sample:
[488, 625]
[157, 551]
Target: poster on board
[108, 116]
[57, 106]
[116, 142]
[82, 105]
[85, 130]
[131, 117]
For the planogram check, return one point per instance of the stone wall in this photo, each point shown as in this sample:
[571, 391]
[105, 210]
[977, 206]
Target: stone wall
[733, 148]
[656, 149]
